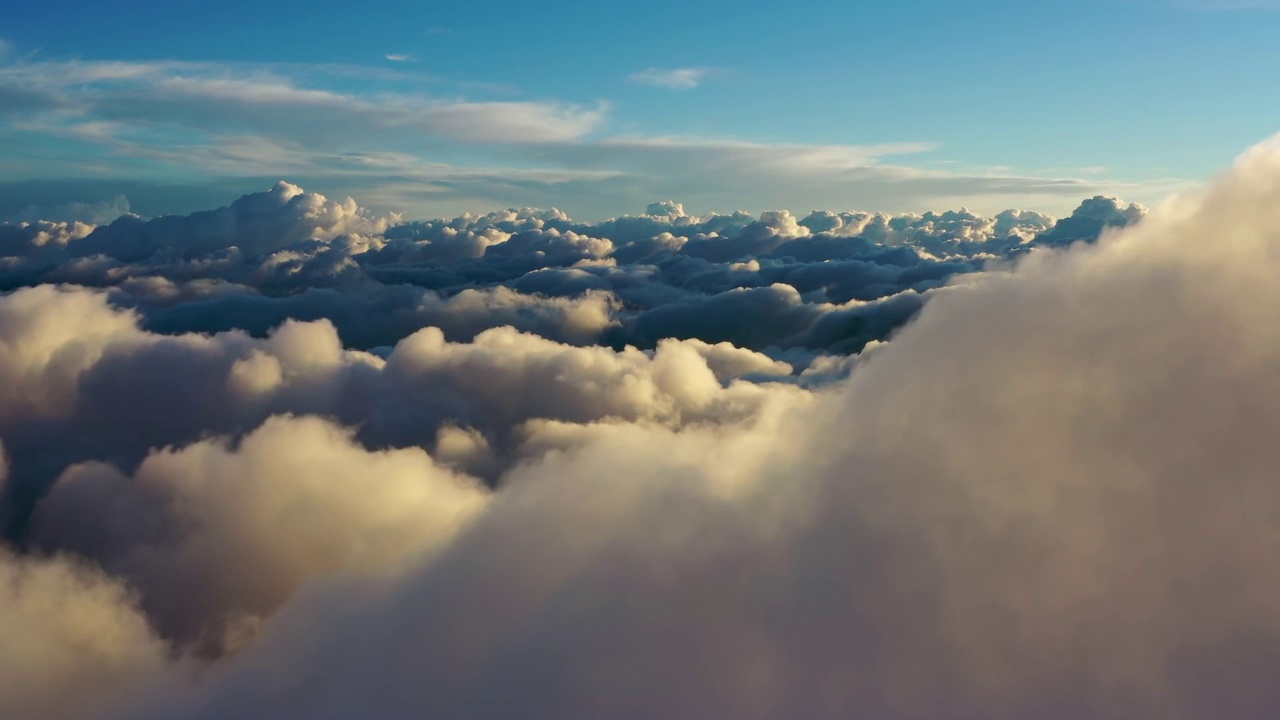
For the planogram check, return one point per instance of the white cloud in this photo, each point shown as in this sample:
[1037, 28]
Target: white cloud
[524, 122]
[675, 78]
[778, 280]
[1053, 492]
[268, 99]
[711, 172]
[75, 643]
[215, 536]
[193, 120]
[399, 57]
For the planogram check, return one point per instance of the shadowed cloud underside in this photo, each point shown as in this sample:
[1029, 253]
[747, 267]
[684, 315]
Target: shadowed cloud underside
[294, 458]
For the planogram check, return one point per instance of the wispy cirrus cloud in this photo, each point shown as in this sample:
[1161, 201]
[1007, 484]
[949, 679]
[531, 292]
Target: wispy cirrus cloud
[674, 78]
[189, 121]
[399, 57]
[275, 100]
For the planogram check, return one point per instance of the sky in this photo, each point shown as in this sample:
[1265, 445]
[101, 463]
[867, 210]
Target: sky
[435, 109]
[484, 361]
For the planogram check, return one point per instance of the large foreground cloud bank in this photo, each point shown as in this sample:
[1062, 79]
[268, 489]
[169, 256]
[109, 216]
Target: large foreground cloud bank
[1051, 494]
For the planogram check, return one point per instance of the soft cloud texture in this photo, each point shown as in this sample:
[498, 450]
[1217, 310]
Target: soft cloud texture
[1037, 500]
[218, 538]
[771, 282]
[819, 465]
[427, 141]
[676, 78]
[75, 643]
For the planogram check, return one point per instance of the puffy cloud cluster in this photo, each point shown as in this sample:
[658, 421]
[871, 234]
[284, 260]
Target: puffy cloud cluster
[823, 283]
[83, 381]
[215, 538]
[256, 225]
[718, 492]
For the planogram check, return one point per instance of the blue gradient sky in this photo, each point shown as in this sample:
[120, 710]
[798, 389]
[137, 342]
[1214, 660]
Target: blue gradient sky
[601, 108]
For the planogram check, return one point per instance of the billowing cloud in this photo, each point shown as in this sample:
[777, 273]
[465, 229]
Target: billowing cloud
[254, 225]
[291, 458]
[1039, 499]
[75, 642]
[290, 254]
[218, 538]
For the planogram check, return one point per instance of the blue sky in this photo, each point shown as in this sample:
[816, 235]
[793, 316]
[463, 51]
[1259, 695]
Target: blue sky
[435, 108]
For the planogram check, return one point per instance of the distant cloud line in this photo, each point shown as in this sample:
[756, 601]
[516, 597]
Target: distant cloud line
[290, 458]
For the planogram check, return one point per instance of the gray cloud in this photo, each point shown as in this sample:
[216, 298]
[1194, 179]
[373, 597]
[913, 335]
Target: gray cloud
[75, 642]
[216, 541]
[1040, 499]
[287, 253]
[293, 459]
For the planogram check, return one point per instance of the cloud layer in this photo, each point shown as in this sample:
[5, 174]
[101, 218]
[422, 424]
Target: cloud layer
[777, 283]
[403, 138]
[292, 459]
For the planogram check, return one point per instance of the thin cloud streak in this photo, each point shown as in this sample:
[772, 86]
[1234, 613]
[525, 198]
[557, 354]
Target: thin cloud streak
[188, 121]
[676, 78]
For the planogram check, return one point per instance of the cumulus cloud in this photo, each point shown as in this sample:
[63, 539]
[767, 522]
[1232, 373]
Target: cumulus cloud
[101, 388]
[254, 224]
[290, 458]
[75, 642]
[217, 537]
[43, 359]
[1040, 499]
[286, 253]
